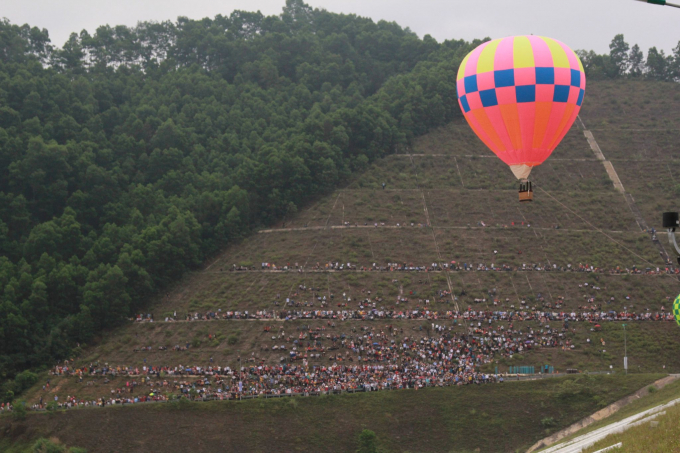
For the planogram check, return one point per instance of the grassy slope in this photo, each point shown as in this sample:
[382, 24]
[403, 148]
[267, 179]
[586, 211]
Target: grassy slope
[494, 418]
[654, 398]
[462, 184]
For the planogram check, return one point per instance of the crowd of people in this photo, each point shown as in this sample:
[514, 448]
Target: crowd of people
[309, 302]
[363, 359]
[462, 267]
[591, 314]
[317, 359]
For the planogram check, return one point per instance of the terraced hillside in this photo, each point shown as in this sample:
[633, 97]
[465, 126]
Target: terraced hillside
[450, 200]
[449, 208]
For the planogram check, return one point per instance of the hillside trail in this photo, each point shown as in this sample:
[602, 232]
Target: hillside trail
[601, 414]
[342, 227]
[614, 177]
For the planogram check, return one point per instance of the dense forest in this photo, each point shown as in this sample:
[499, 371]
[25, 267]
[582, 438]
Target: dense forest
[129, 156]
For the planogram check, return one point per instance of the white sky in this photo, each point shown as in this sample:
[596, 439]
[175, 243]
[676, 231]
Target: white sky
[581, 24]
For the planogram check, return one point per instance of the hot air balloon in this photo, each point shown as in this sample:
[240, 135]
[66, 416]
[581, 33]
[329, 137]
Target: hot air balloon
[520, 95]
[676, 309]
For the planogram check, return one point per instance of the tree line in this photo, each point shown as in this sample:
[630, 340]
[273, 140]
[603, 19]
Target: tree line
[624, 61]
[129, 156]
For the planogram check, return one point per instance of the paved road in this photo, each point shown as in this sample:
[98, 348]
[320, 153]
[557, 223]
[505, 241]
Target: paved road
[580, 443]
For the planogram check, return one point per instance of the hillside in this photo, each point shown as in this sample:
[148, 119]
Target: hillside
[451, 183]
[431, 211]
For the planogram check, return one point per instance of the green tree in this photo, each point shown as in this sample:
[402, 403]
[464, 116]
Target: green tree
[657, 65]
[41, 176]
[675, 64]
[106, 297]
[636, 60]
[368, 442]
[618, 55]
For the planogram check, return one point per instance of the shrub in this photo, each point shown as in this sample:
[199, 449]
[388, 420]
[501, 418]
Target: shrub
[548, 422]
[43, 445]
[24, 380]
[367, 442]
[19, 411]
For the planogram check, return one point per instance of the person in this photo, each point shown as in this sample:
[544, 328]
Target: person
[383, 184]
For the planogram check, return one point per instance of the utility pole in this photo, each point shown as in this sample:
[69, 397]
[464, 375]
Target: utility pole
[625, 350]
[660, 2]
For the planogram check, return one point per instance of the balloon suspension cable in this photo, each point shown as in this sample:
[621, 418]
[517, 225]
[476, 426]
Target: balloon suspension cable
[599, 230]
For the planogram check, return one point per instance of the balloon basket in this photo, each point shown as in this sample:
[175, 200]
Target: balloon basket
[526, 192]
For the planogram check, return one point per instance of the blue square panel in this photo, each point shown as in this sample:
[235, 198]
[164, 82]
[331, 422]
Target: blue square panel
[575, 78]
[561, 93]
[526, 93]
[464, 102]
[505, 78]
[470, 84]
[580, 97]
[488, 97]
[545, 76]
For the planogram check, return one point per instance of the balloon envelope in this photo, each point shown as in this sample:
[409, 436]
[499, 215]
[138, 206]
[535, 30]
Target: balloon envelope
[520, 95]
[676, 309]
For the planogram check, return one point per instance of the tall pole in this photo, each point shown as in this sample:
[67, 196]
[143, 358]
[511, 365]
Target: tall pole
[625, 350]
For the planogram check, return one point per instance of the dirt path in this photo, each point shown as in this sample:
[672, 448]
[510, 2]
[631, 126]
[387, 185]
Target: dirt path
[338, 227]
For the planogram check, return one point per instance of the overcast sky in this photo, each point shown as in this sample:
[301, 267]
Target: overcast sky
[581, 24]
